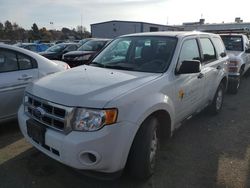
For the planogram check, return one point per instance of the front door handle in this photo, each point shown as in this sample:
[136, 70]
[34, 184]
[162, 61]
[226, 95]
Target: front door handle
[201, 75]
[25, 77]
[219, 67]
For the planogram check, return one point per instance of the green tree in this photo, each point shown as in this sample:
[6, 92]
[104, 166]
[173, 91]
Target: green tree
[8, 26]
[35, 34]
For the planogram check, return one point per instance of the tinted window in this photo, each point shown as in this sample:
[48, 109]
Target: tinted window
[57, 48]
[234, 43]
[92, 46]
[207, 50]
[24, 62]
[8, 61]
[145, 54]
[189, 51]
[13, 61]
[71, 48]
[219, 45]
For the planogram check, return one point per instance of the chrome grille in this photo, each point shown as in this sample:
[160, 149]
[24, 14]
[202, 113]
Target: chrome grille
[50, 114]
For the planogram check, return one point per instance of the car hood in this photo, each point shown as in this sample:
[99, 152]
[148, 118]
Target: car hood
[78, 53]
[88, 86]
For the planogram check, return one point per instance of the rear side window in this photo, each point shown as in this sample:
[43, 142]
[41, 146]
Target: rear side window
[189, 51]
[24, 62]
[219, 45]
[207, 50]
[14, 61]
[232, 42]
[8, 61]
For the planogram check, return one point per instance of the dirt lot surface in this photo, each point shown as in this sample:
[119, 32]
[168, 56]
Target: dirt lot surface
[207, 151]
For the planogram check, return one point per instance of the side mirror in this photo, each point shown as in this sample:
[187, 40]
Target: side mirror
[248, 51]
[223, 54]
[189, 67]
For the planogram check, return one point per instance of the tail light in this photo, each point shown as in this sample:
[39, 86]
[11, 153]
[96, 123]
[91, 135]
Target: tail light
[233, 66]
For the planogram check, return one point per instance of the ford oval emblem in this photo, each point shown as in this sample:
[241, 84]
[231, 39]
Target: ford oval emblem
[39, 112]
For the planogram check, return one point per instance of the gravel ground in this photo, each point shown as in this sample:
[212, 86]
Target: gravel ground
[207, 151]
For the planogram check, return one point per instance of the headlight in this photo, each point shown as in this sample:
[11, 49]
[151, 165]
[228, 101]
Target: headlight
[92, 120]
[83, 58]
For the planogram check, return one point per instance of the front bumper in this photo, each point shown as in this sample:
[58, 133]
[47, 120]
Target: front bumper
[109, 146]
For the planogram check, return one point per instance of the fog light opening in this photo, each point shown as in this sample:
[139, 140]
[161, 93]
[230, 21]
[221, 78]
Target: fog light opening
[92, 157]
[89, 158]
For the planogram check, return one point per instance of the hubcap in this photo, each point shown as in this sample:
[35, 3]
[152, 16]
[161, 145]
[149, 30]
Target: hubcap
[153, 148]
[219, 99]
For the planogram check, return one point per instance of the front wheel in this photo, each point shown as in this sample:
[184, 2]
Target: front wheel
[142, 157]
[216, 106]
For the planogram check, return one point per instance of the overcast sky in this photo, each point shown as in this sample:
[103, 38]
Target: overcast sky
[68, 13]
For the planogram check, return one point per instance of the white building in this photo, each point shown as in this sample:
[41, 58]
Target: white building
[217, 27]
[112, 29]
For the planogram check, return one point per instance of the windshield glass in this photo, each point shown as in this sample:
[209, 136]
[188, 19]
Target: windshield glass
[56, 48]
[144, 54]
[92, 46]
[233, 43]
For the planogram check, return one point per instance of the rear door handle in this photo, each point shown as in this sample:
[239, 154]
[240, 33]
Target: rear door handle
[201, 75]
[25, 77]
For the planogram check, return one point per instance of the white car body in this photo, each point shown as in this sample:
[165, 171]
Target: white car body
[13, 82]
[136, 95]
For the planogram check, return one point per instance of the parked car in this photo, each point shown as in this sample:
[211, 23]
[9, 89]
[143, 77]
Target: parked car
[18, 68]
[237, 46]
[34, 47]
[56, 52]
[84, 53]
[81, 42]
[115, 111]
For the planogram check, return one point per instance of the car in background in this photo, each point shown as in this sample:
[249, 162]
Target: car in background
[81, 42]
[34, 47]
[237, 47]
[56, 52]
[18, 68]
[85, 53]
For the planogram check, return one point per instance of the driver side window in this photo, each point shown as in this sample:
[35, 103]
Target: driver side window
[189, 51]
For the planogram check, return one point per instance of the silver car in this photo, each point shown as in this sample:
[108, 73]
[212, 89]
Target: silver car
[19, 67]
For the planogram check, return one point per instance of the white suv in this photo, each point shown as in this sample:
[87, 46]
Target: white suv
[135, 93]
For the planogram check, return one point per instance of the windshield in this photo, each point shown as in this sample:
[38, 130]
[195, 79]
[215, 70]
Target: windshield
[56, 48]
[92, 46]
[144, 54]
[233, 43]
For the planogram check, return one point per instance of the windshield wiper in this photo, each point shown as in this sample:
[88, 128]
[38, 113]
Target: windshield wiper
[96, 64]
[119, 67]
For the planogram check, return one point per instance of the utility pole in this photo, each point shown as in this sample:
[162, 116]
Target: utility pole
[81, 25]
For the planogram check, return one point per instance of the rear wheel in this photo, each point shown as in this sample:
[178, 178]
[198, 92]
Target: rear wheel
[142, 157]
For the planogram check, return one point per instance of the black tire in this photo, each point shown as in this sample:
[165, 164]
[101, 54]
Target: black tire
[141, 161]
[234, 85]
[216, 106]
